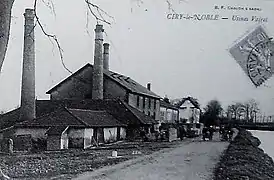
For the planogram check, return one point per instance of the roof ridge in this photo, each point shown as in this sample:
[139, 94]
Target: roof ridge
[127, 77]
[192, 100]
[113, 79]
[108, 74]
[76, 117]
[70, 76]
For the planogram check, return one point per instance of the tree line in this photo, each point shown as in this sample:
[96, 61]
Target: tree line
[214, 113]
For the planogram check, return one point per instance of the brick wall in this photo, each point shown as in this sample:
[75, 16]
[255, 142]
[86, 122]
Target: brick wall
[78, 87]
[133, 102]
[113, 90]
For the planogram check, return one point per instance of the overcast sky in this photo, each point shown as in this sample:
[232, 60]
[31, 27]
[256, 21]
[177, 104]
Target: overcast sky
[179, 57]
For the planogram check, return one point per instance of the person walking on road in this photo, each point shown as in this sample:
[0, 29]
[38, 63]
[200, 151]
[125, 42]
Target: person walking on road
[182, 132]
[211, 132]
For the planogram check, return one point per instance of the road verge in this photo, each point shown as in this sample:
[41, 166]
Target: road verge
[244, 160]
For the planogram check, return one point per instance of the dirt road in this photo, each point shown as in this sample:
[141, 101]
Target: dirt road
[190, 161]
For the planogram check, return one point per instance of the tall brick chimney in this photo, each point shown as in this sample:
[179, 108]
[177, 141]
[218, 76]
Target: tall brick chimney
[97, 87]
[28, 71]
[149, 86]
[106, 56]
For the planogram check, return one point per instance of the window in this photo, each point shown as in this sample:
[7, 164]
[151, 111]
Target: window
[148, 113]
[149, 103]
[138, 101]
[152, 104]
[144, 102]
[155, 103]
[154, 115]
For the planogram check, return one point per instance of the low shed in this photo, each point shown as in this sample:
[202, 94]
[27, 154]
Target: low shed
[57, 138]
[106, 128]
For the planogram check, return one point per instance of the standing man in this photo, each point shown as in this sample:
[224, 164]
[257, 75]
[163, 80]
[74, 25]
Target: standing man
[142, 134]
[211, 132]
[182, 132]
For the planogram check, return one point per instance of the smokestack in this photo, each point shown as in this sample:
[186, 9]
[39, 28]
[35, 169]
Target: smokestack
[148, 86]
[28, 71]
[97, 89]
[106, 56]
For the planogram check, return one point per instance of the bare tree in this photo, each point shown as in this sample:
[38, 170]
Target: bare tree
[231, 111]
[5, 21]
[251, 108]
[247, 110]
[235, 110]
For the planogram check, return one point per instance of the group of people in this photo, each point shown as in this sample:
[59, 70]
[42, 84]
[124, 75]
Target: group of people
[208, 132]
[226, 132]
[161, 135]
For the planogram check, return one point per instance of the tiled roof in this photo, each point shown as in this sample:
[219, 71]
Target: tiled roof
[64, 117]
[96, 118]
[130, 84]
[9, 119]
[191, 99]
[116, 108]
[167, 105]
[60, 117]
[56, 130]
[124, 81]
[145, 119]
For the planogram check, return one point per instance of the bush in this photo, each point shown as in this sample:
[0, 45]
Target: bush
[243, 159]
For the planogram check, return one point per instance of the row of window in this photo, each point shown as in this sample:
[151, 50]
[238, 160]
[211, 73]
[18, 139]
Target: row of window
[150, 104]
[170, 115]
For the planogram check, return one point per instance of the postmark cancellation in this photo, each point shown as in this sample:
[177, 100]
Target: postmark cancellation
[255, 54]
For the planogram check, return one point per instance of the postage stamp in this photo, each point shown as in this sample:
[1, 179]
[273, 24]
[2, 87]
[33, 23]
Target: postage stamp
[255, 54]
